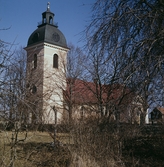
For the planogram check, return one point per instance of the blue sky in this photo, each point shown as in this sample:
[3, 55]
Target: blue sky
[22, 16]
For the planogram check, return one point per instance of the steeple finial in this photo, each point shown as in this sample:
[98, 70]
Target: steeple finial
[48, 6]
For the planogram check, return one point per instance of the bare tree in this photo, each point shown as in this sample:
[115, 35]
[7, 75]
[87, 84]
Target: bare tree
[7, 54]
[132, 33]
[125, 47]
[75, 69]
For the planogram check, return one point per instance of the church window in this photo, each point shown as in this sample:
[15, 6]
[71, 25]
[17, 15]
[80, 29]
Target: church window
[34, 89]
[44, 20]
[50, 20]
[35, 61]
[55, 61]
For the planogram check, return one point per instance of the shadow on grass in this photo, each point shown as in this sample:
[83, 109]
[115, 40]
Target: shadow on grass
[43, 154]
[146, 151]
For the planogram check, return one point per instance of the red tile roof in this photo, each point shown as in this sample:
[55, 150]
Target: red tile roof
[82, 92]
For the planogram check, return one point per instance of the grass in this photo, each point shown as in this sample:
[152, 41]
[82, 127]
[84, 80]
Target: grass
[35, 150]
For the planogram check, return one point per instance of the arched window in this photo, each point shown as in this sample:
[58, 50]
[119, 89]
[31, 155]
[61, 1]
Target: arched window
[55, 61]
[50, 20]
[35, 61]
[34, 89]
[44, 20]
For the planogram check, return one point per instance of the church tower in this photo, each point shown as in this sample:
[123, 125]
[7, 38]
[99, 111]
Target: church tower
[46, 71]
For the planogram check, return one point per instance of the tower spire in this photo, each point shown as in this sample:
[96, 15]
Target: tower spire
[48, 6]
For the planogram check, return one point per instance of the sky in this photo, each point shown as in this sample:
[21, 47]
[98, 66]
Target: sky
[22, 17]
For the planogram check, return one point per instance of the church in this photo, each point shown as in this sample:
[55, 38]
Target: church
[46, 76]
[53, 98]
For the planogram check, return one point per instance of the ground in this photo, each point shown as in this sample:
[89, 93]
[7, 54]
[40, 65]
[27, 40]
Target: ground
[36, 150]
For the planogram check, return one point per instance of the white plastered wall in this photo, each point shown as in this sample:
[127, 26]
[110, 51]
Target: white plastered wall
[54, 82]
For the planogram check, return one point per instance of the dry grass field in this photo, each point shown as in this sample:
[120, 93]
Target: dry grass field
[36, 150]
[89, 149]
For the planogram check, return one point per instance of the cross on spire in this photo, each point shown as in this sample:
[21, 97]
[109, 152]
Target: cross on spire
[48, 6]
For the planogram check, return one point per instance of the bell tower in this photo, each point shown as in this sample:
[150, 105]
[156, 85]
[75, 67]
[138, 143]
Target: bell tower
[46, 71]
